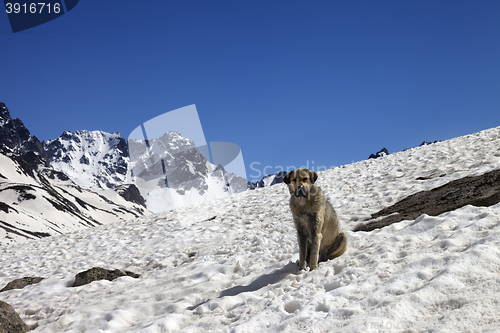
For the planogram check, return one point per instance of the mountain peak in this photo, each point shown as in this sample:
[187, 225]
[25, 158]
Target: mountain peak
[4, 114]
[92, 159]
[16, 136]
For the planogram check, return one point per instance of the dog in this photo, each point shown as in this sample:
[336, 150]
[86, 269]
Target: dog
[319, 234]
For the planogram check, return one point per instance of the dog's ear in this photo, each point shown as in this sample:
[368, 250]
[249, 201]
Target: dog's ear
[313, 176]
[286, 179]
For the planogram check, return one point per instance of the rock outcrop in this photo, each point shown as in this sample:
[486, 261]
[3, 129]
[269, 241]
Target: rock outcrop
[131, 193]
[483, 190]
[21, 283]
[381, 153]
[98, 273]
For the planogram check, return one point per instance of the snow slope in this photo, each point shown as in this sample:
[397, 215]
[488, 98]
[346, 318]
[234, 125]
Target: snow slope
[230, 265]
[38, 203]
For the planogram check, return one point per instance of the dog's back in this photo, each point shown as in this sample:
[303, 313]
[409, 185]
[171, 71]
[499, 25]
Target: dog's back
[334, 242]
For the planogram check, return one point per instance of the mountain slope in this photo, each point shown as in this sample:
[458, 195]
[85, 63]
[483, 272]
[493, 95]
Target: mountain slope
[171, 172]
[16, 136]
[229, 265]
[92, 159]
[41, 202]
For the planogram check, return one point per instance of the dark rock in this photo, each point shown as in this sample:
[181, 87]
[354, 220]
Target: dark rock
[53, 174]
[21, 283]
[277, 179]
[426, 143]
[84, 160]
[431, 176]
[16, 136]
[97, 273]
[481, 191]
[381, 153]
[172, 161]
[34, 160]
[131, 193]
[10, 322]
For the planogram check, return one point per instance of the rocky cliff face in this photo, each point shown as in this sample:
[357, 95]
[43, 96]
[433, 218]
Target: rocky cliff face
[92, 159]
[170, 161]
[171, 172]
[14, 135]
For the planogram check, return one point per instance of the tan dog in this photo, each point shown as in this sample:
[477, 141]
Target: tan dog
[319, 233]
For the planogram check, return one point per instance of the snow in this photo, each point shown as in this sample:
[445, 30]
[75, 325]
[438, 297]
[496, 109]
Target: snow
[161, 199]
[229, 265]
[95, 147]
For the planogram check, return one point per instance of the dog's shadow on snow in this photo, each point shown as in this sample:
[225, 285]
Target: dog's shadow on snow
[258, 283]
[262, 280]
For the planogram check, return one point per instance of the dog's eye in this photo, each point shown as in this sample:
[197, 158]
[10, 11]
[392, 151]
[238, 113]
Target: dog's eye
[294, 180]
[304, 179]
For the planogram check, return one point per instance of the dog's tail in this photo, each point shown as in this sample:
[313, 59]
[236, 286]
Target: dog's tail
[338, 247]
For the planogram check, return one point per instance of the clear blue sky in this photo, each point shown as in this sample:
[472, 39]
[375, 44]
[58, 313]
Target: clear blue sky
[288, 81]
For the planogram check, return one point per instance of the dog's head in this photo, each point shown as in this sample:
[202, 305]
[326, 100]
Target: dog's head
[300, 182]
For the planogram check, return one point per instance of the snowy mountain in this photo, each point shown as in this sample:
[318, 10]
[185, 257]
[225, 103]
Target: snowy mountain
[171, 172]
[40, 201]
[16, 136]
[230, 265]
[92, 159]
[37, 200]
[268, 180]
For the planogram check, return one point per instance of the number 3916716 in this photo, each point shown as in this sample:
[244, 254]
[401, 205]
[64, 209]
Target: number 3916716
[33, 8]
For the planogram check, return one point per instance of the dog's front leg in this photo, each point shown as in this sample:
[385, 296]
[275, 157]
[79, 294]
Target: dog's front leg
[302, 240]
[317, 236]
[316, 242]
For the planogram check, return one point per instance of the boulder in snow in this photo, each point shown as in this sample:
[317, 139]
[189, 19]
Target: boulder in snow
[10, 322]
[21, 283]
[98, 273]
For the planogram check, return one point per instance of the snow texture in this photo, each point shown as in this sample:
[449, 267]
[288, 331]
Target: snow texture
[229, 265]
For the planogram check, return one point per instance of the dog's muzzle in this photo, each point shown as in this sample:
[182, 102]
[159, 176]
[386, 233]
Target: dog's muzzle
[300, 191]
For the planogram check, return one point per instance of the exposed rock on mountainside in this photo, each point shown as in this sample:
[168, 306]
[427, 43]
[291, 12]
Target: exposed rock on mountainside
[381, 153]
[483, 190]
[170, 161]
[171, 166]
[92, 159]
[171, 172]
[15, 135]
[268, 180]
[131, 193]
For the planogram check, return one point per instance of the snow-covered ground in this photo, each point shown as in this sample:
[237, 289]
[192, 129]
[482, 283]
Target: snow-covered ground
[230, 265]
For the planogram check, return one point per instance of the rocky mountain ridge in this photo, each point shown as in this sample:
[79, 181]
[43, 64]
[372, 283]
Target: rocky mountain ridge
[39, 202]
[169, 170]
[92, 159]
